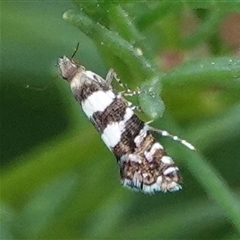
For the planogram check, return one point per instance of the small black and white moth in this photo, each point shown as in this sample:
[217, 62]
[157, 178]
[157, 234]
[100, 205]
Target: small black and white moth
[143, 163]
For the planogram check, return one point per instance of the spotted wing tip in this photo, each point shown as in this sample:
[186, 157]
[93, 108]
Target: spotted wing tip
[153, 188]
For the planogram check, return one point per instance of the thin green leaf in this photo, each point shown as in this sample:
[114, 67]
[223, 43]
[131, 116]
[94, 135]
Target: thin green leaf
[205, 30]
[150, 101]
[220, 70]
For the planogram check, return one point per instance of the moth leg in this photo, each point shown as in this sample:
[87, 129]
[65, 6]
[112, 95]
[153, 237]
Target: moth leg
[110, 76]
[131, 93]
[113, 75]
[136, 108]
[126, 91]
[175, 138]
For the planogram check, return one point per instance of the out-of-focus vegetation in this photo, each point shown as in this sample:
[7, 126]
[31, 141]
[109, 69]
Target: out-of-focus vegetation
[58, 180]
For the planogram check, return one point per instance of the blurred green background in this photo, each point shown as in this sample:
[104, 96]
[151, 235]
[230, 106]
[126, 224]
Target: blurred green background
[58, 180]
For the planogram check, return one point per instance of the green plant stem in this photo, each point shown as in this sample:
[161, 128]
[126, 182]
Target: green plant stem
[214, 186]
[210, 180]
[119, 47]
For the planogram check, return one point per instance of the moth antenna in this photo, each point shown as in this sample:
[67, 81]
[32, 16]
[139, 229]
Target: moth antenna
[75, 51]
[175, 138]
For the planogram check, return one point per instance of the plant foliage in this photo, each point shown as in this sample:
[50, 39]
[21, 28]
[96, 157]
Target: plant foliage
[58, 180]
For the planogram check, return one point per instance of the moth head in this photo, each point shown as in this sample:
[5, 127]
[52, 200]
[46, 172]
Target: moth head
[68, 67]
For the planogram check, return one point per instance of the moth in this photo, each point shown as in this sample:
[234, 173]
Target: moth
[144, 164]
